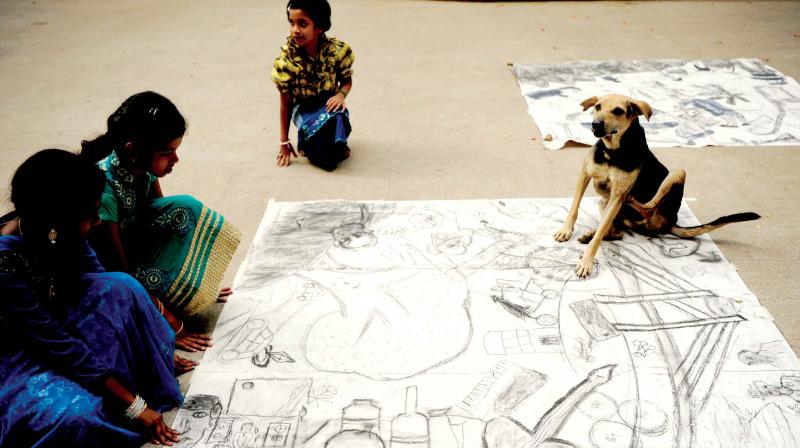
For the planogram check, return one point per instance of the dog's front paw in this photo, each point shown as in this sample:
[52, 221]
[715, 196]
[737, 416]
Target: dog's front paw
[564, 234]
[584, 267]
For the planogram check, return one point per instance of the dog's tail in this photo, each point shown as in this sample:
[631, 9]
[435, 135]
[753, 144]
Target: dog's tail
[689, 232]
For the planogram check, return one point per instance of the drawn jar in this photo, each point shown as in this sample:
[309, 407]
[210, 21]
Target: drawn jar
[355, 439]
[362, 415]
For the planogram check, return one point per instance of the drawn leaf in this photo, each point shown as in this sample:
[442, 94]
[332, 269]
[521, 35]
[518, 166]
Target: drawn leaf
[281, 357]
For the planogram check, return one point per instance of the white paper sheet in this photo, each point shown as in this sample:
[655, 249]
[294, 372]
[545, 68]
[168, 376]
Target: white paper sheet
[461, 324]
[739, 102]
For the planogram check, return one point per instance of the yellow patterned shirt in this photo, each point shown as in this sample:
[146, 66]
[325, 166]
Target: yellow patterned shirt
[304, 77]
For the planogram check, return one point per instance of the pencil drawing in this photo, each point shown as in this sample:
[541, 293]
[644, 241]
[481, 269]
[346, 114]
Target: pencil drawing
[459, 324]
[735, 102]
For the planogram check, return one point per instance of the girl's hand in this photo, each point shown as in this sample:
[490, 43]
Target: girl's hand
[335, 103]
[285, 154]
[160, 433]
[192, 342]
[224, 293]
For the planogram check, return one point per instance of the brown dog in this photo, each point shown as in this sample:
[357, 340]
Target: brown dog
[638, 191]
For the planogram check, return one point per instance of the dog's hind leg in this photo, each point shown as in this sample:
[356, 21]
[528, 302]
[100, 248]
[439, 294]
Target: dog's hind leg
[614, 233]
[586, 237]
[669, 185]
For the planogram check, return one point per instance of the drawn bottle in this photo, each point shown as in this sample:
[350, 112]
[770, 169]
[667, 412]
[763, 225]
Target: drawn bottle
[410, 429]
[442, 435]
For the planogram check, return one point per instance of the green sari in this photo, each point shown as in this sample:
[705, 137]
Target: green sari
[176, 247]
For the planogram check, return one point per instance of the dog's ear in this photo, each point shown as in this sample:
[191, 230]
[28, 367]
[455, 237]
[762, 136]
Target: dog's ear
[589, 102]
[641, 108]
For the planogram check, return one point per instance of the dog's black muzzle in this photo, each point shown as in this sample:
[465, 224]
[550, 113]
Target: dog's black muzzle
[599, 128]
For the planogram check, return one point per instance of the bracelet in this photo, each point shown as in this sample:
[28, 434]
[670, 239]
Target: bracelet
[179, 329]
[287, 142]
[136, 408]
[160, 307]
[343, 93]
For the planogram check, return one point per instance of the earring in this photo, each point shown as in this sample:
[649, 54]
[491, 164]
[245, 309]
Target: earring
[52, 235]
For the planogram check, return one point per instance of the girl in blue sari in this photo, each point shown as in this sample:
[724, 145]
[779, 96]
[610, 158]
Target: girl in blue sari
[313, 74]
[175, 246]
[86, 358]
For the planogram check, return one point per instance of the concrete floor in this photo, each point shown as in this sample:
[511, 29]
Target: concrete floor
[435, 110]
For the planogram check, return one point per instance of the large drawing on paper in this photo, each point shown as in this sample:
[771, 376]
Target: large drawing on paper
[461, 324]
[739, 102]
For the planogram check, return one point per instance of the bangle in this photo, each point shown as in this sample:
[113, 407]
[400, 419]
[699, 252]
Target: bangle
[343, 93]
[287, 142]
[160, 306]
[179, 329]
[136, 408]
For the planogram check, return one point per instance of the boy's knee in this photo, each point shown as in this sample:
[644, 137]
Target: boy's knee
[328, 166]
[325, 163]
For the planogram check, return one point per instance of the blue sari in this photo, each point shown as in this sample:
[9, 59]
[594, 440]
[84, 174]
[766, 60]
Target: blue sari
[322, 135]
[58, 350]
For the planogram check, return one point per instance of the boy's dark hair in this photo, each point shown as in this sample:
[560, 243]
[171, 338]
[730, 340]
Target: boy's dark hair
[55, 189]
[318, 10]
[147, 119]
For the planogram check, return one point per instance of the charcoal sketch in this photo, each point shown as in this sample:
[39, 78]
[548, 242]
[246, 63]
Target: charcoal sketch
[739, 424]
[772, 353]
[789, 386]
[259, 412]
[461, 324]
[738, 102]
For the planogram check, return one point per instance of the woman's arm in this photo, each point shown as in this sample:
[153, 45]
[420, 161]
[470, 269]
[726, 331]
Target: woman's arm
[336, 102]
[48, 341]
[184, 340]
[286, 151]
[105, 239]
[159, 432]
[10, 228]
[346, 87]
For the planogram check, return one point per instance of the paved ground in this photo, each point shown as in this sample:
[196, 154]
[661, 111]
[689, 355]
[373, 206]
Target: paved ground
[436, 112]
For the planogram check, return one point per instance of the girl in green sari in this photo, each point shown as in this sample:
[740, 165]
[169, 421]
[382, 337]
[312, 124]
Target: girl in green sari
[175, 246]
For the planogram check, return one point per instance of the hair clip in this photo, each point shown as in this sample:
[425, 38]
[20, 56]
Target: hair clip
[153, 111]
